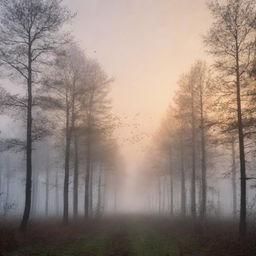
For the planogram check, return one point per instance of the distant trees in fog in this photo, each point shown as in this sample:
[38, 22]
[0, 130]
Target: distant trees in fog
[78, 89]
[216, 107]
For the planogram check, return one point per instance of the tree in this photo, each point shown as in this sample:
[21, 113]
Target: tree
[186, 101]
[67, 90]
[204, 95]
[28, 31]
[167, 147]
[231, 40]
[96, 120]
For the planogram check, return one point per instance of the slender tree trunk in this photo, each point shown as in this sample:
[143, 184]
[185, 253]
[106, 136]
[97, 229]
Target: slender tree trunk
[183, 188]
[103, 193]
[57, 204]
[76, 174]
[66, 175]
[1, 170]
[167, 194]
[193, 177]
[163, 197]
[91, 190]
[8, 174]
[25, 219]
[159, 195]
[115, 194]
[87, 179]
[47, 191]
[234, 189]
[99, 193]
[203, 160]
[171, 190]
[200, 196]
[219, 205]
[35, 192]
[88, 157]
[242, 224]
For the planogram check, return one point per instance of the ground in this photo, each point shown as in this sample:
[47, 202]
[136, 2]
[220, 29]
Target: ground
[127, 236]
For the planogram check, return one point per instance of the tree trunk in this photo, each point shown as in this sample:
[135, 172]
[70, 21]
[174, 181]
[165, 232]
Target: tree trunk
[1, 170]
[66, 175]
[87, 179]
[1, 185]
[242, 224]
[219, 205]
[171, 191]
[193, 177]
[47, 192]
[99, 194]
[183, 187]
[8, 174]
[103, 193]
[25, 219]
[115, 194]
[234, 179]
[35, 191]
[57, 205]
[159, 194]
[91, 190]
[199, 185]
[203, 160]
[76, 174]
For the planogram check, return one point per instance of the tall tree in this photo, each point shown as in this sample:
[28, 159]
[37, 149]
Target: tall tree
[66, 89]
[191, 84]
[187, 101]
[231, 40]
[96, 118]
[28, 33]
[203, 86]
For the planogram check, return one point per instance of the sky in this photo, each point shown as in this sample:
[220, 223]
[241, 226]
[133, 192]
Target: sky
[145, 45]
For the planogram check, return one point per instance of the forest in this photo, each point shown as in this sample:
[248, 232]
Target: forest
[79, 177]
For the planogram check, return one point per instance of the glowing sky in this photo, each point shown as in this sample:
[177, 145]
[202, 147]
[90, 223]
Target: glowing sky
[145, 45]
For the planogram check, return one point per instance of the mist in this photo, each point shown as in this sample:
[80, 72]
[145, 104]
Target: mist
[127, 127]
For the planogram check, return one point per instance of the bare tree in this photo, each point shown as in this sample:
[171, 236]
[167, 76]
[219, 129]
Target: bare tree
[66, 89]
[28, 31]
[186, 101]
[203, 88]
[96, 120]
[231, 40]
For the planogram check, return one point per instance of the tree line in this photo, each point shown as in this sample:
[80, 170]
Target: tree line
[63, 108]
[211, 119]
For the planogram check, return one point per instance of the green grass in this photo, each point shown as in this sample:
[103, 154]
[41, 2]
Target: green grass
[133, 239]
[146, 241]
[133, 236]
[84, 245]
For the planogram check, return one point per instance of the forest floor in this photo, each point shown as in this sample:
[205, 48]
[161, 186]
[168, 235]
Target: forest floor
[127, 236]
